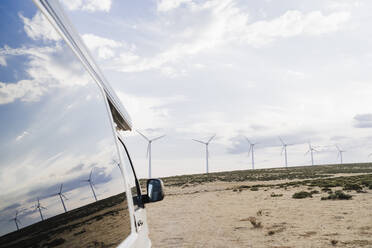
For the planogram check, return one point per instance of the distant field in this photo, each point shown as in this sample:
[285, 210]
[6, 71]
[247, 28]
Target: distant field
[303, 172]
[309, 206]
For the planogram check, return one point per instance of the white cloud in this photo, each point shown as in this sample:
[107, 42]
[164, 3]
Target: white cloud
[344, 4]
[103, 46]
[22, 135]
[223, 23]
[149, 112]
[39, 28]
[168, 5]
[294, 23]
[3, 61]
[47, 67]
[88, 5]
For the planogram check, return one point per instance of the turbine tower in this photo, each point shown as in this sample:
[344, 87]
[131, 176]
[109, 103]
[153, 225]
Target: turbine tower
[39, 207]
[251, 150]
[284, 149]
[339, 154]
[206, 150]
[61, 196]
[148, 154]
[311, 150]
[89, 180]
[16, 220]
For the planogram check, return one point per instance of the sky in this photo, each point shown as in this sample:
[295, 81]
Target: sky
[262, 69]
[189, 69]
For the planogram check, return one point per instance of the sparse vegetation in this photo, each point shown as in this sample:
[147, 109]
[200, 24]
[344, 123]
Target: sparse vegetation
[338, 195]
[276, 195]
[334, 242]
[313, 192]
[254, 222]
[304, 172]
[301, 195]
[352, 186]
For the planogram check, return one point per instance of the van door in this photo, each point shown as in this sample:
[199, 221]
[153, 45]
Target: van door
[139, 216]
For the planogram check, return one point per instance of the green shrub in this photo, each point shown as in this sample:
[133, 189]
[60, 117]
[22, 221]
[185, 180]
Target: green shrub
[326, 189]
[254, 188]
[301, 195]
[352, 186]
[338, 195]
[314, 192]
[276, 195]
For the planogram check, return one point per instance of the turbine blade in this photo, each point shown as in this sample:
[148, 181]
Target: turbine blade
[211, 138]
[90, 175]
[143, 135]
[158, 137]
[281, 141]
[248, 141]
[60, 189]
[282, 151]
[64, 196]
[249, 151]
[199, 141]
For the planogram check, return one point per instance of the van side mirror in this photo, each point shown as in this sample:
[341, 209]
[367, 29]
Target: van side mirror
[155, 190]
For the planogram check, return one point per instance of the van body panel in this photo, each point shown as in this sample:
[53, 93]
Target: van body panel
[74, 208]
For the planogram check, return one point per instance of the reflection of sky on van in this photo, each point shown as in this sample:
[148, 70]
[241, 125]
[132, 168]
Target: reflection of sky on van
[53, 123]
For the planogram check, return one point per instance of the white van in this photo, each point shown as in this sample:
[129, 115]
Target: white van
[67, 179]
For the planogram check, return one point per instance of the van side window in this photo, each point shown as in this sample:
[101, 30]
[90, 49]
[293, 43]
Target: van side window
[133, 181]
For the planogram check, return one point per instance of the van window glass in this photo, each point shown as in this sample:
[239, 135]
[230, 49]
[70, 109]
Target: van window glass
[59, 184]
[135, 188]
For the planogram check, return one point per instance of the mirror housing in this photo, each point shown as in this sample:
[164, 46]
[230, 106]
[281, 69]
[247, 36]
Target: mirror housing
[155, 190]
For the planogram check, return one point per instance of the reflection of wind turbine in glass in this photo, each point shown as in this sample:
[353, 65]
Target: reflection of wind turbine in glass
[61, 196]
[89, 180]
[251, 150]
[206, 150]
[39, 207]
[16, 220]
[148, 154]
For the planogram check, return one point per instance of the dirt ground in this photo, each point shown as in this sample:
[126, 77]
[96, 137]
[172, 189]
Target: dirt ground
[209, 215]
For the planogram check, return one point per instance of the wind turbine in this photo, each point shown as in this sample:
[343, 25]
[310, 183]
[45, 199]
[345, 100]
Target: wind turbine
[61, 196]
[206, 150]
[311, 150]
[16, 220]
[251, 150]
[89, 180]
[39, 207]
[339, 154]
[284, 148]
[148, 154]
